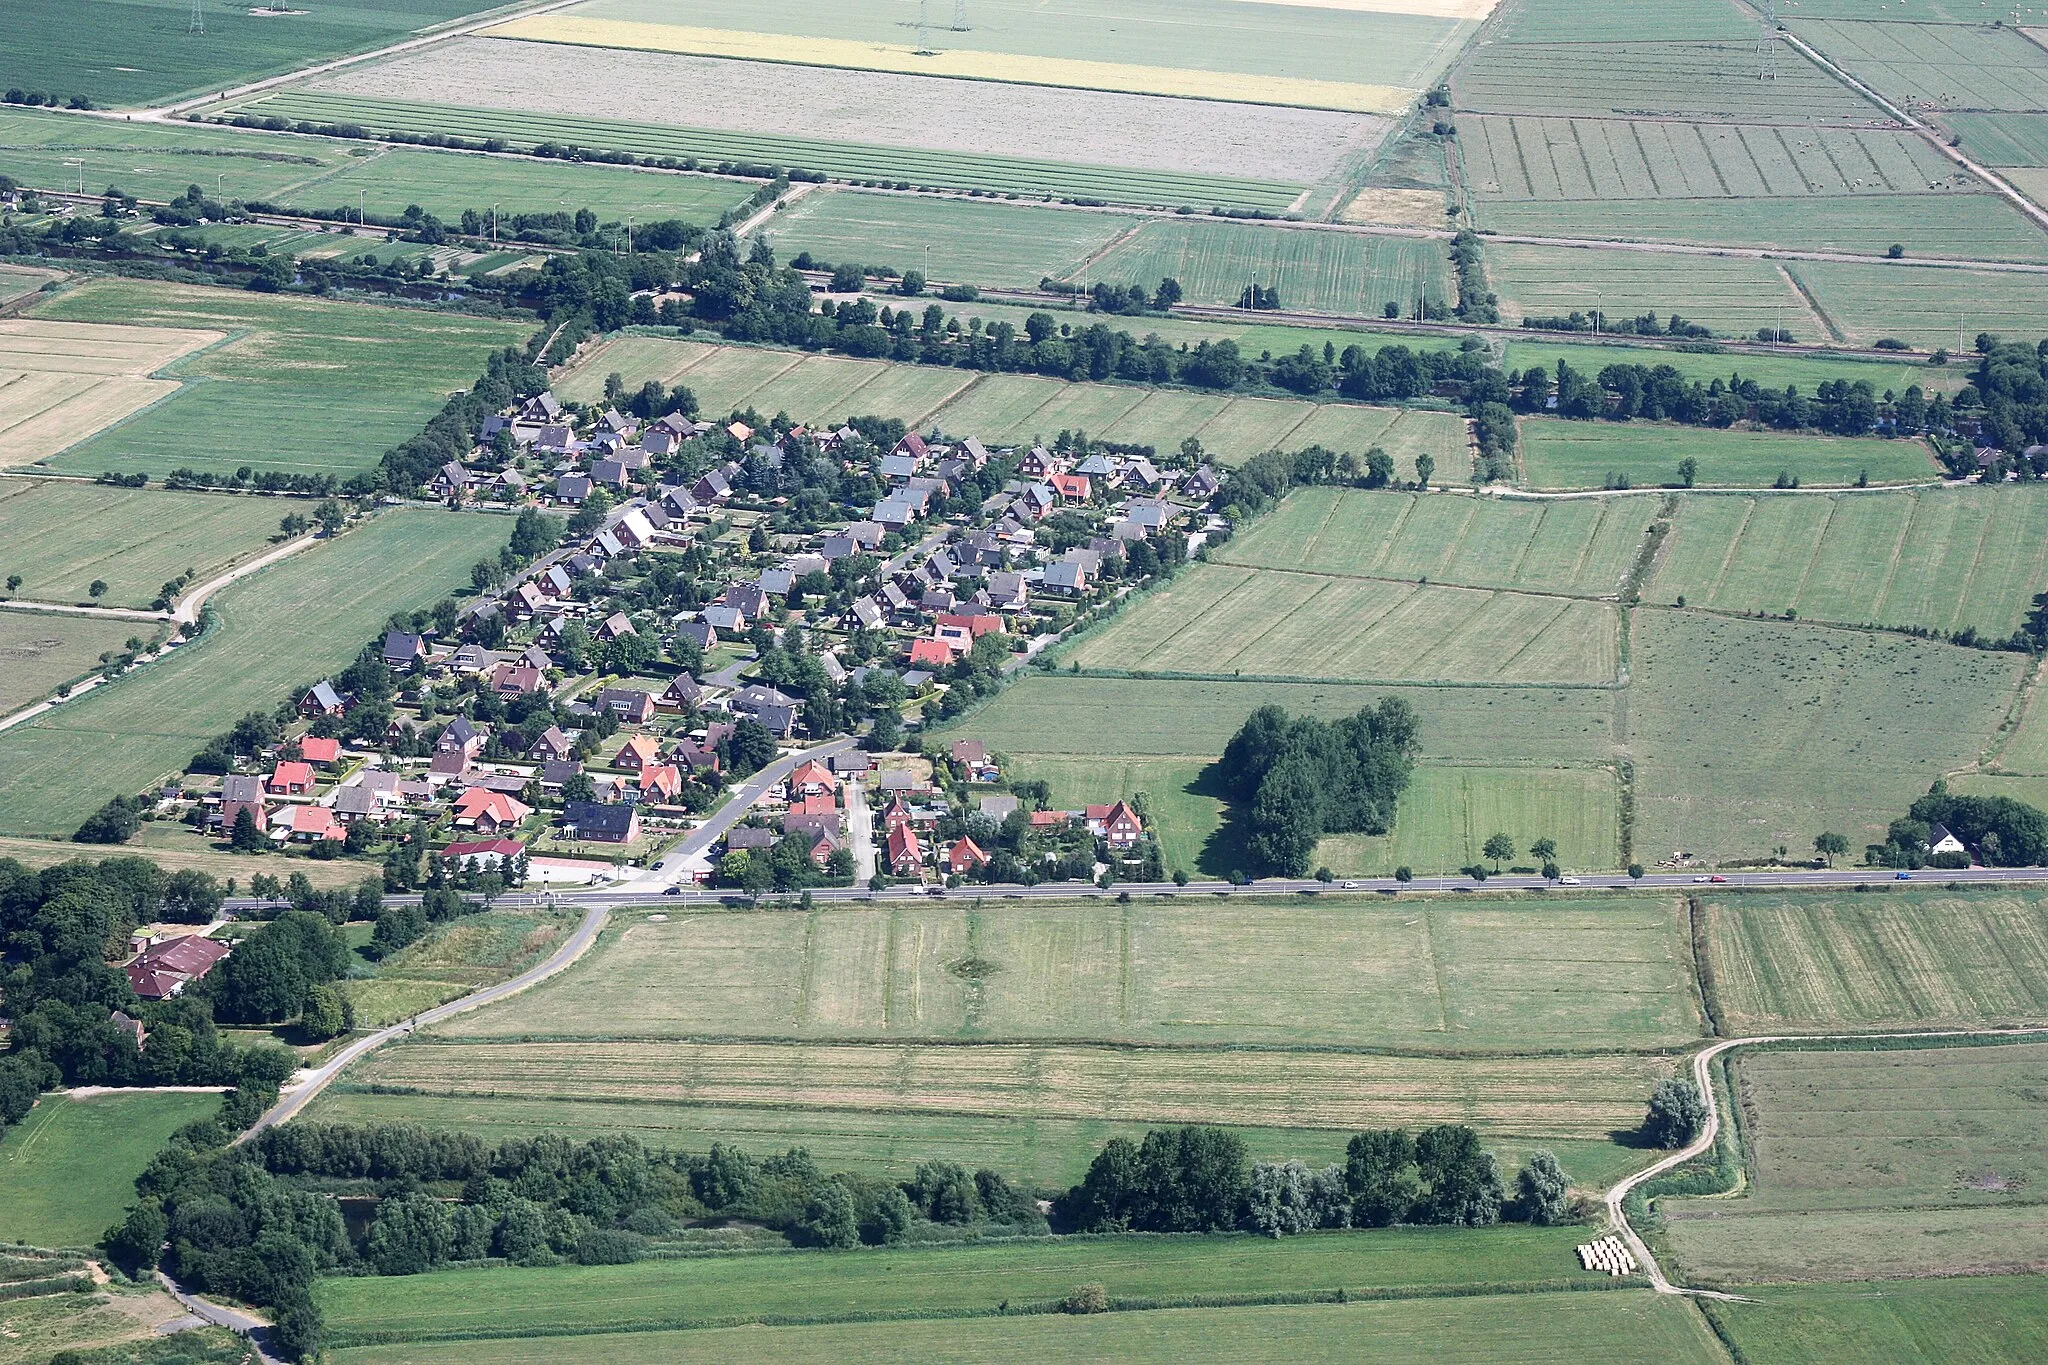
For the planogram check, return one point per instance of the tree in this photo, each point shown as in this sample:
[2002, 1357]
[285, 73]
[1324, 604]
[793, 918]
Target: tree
[886, 734]
[1677, 1114]
[1499, 849]
[114, 823]
[1464, 1183]
[1635, 870]
[328, 1014]
[1544, 849]
[1425, 469]
[14, 582]
[1381, 1175]
[98, 588]
[1544, 1189]
[247, 836]
[829, 1219]
[1688, 470]
[1830, 846]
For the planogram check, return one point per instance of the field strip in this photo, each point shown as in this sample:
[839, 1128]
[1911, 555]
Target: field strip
[1308, 551]
[1962, 595]
[1535, 637]
[1474, 622]
[1891, 563]
[1815, 309]
[964, 64]
[1457, 542]
[1819, 540]
[1734, 544]
[1514, 573]
[1393, 535]
[1298, 608]
[968, 384]
[1251, 577]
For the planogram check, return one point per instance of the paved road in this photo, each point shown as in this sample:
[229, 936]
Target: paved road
[1702, 1060]
[860, 830]
[313, 1082]
[236, 1321]
[674, 863]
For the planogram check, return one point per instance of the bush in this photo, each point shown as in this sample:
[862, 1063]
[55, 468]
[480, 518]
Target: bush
[610, 1246]
[1678, 1113]
[114, 823]
[1087, 1298]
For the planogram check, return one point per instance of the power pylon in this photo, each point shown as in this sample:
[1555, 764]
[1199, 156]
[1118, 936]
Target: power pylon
[197, 23]
[959, 16]
[1767, 43]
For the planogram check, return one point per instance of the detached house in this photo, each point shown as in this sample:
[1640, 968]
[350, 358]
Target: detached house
[322, 700]
[1117, 825]
[488, 811]
[291, 779]
[237, 794]
[167, 967]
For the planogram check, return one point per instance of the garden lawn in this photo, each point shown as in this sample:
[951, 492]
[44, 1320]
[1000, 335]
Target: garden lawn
[69, 1168]
[284, 627]
[1566, 454]
[62, 536]
[1543, 1329]
[306, 386]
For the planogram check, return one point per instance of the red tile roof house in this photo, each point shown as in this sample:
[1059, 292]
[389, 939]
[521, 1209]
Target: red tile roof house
[322, 751]
[291, 779]
[309, 823]
[812, 778]
[931, 654]
[482, 853]
[166, 968]
[1118, 825]
[641, 751]
[660, 782]
[487, 811]
[964, 857]
[976, 625]
[1072, 488]
[906, 855]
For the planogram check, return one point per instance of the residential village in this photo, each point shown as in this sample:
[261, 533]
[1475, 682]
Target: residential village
[726, 594]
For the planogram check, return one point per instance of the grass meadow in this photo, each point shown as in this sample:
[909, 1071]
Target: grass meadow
[1940, 558]
[1749, 734]
[1848, 962]
[1923, 306]
[1448, 813]
[1869, 1164]
[969, 241]
[314, 386]
[2000, 68]
[851, 161]
[1327, 272]
[1986, 1318]
[937, 1281]
[1529, 1327]
[1776, 371]
[69, 1168]
[1732, 295]
[477, 951]
[40, 651]
[63, 535]
[1565, 454]
[1221, 621]
[278, 629]
[135, 52]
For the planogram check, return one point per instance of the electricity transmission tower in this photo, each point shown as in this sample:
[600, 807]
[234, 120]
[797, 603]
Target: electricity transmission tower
[959, 16]
[197, 23]
[924, 27]
[1767, 43]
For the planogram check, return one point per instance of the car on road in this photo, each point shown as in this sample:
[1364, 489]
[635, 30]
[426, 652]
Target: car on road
[1567, 881]
[1718, 879]
[1703, 880]
[672, 891]
[1351, 886]
[1903, 877]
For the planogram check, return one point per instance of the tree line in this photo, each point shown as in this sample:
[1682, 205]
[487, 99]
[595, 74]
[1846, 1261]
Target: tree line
[1299, 778]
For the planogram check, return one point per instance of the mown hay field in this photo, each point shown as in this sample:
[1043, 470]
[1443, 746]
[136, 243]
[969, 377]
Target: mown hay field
[1861, 1244]
[40, 651]
[1940, 558]
[1222, 621]
[1866, 303]
[281, 628]
[1568, 454]
[947, 239]
[1667, 78]
[480, 950]
[1979, 1318]
[1582, 547]
[305, 385]
[1733, 296]
[1329, 272]
[1944, 65]
[61, 382]
[2000, 139]
[1583, 1095]
[1911, 959]
[68, 1169]
[524, 127]
[939, 1281]
[1448, 813]
[1530, 1327]
[61, 536]
[1578, 974]
[1750, 734]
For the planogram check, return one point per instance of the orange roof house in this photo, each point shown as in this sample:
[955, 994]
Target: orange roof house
[965, 856]
[931, 654]
[662, 781]
[486, 811]
[291, 779]
[316, 750]
[906, 855]
[639, 752]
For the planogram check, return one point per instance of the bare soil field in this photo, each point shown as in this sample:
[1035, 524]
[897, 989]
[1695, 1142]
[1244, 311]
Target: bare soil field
[1396, 208]
[1092, 126]
[62, 381]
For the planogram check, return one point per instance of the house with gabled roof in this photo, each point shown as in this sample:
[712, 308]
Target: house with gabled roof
[322, 700]
[488, 811]
[291, 779]
[402, 650]
[314, 749]
[637, 753]
[906, 854]
[308, 824]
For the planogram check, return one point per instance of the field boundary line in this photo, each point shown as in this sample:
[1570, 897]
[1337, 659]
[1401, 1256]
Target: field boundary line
[1392, 535]
[1308, 550]
[1976, 562]
[1898, 554]
[1250, 576]
[1274, 626]
[1812, 301]
[1813, 555]
[1734, 545]
[1095, 257]
[1529, 545]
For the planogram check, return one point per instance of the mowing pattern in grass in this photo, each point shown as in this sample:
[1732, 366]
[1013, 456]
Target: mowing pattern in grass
[1963, 227]
[334, 384]
[280, 628]
[1732, 296]
[1869, 1164]
[1684, 80]
[1448, 813]
[61, 536]
[1581, 547]
[841, 160]
[2003, 139]
[68, 1169]
[982, 243]
[1441, 978]
[1923, 307]
[1751, 734]
[1558, 1328]
[1991, 1318]
[1937, 558]
[61, 381]
[1562, 454]
[1221, 621]
[1314, 271]
[39, 651]
[937, 1281]
[138, 51]
[1907, 960]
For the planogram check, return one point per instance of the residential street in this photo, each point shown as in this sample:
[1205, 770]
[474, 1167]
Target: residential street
[860, 829]
[675, 863]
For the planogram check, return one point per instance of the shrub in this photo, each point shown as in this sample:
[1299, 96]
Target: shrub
[1087, 1298]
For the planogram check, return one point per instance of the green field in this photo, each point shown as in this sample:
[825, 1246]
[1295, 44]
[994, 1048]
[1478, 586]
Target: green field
[1938, 558]
[133, 52]
[2003, 1318]
[69, 1168]
[1923, 307]
[1542, 1329]
[331, 386]
[1444, 978]
[1749, 734]
[1221, 621]
[477, 951]
[1448, 813]
[969, 241]
[1910, 959]
[1731, 295]
[1582, 547]
[41, 650]
[1945, 65]
[856, 162]
[933, 1282]
[62, 535]
[1566, 454]
[1873, 1164]
[2002, 139]
[1676, 73]
[279, 629]
[1328, 272]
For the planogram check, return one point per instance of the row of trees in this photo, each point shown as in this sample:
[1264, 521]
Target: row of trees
[1300, 778]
